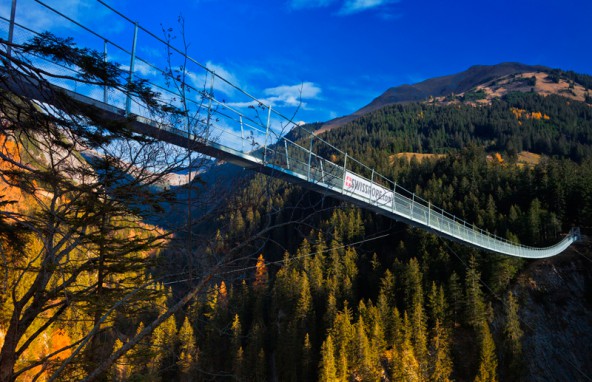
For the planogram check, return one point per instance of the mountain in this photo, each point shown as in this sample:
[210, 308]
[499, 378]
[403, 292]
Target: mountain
[487, 78]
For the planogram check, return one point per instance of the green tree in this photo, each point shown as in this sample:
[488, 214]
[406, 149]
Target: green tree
[366, 363]
[405, 366]
[487, 358]
[327, 370]
[164, 341]
[307, 358]
[455, 296]
[237, 348]
[475, 308]
[187, 354]
[437, 304]
[513, 335]
[440, 359]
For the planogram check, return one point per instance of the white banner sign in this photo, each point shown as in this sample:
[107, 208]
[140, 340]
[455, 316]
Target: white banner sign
[363, 187]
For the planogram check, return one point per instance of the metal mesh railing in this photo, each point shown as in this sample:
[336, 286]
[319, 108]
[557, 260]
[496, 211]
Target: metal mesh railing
[246, 126]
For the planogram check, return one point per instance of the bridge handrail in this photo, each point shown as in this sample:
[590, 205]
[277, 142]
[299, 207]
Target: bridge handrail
[305, 163]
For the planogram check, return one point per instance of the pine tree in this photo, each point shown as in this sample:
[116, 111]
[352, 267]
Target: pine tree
[306, 358]
[419, 336]
[364, 365]
[488, 359]
[304, 303]
[314, 265]
[413, 280]
[187, 358]
[455, 296]
[236, 346]
[513, 335]
[387, 288]
[437, 304]
[413, 284]
[406, 366]
[164, 339]
[331, 310]
[440, 361]
[476, 312]
[327, 370]
[237, 364]
[344, 334]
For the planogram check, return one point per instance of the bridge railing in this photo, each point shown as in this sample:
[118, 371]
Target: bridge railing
[244, 123]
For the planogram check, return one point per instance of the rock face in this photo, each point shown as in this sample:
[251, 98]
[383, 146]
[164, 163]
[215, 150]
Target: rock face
[556, 310]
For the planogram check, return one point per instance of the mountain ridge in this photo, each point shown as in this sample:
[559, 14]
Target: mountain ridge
[442, 86]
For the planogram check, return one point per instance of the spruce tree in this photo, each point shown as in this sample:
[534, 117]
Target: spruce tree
[327, 370]
[513, 335]
[475, 309]
[187, 354]
[440, 358]
[488, 359]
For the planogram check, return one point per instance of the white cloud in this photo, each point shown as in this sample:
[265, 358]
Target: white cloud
[292, 95]
[204, 79]
[306, 90]
[356, 6]
[142, 68]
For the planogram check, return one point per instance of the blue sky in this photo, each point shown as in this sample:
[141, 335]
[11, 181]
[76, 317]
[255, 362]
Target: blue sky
[340, 54]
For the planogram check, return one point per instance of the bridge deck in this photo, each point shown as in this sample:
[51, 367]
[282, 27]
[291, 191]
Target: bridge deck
[271, 152]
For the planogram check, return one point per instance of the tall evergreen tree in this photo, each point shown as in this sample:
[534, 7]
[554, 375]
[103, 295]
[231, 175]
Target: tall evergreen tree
[487, 359]
[475, 308]
[513, 335]
[327, 370]
[440, 369]
[187, 354]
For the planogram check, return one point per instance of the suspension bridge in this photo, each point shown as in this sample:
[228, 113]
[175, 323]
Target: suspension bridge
[246, 132]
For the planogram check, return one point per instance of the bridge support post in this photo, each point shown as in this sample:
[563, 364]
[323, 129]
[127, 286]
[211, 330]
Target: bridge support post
[309, 156]
[372, 184]
[105, 60]
[287, 157]
[128, 101]
[11, 27]
[266, 134]
[394, 204]
[344, 171]
[242, 134]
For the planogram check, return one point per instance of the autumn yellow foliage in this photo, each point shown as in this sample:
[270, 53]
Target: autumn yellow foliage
[523, 114]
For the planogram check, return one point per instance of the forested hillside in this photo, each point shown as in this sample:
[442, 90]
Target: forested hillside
[277, 283]
[341, 294]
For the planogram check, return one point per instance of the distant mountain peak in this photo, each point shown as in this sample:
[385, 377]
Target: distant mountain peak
[485, 78]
